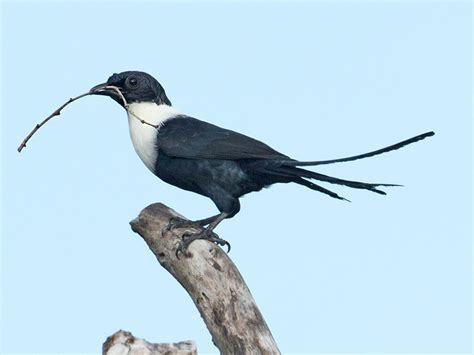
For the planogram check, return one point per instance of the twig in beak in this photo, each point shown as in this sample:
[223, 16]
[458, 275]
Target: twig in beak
[117, 90]
[55, 113]
[125, 104]
[143, 121]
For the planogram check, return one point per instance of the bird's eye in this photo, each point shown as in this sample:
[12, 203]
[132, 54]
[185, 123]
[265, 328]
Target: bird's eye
[132, 81]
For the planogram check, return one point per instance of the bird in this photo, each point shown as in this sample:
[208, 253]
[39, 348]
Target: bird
[206, 159]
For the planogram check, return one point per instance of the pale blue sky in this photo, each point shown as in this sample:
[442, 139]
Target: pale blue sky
[314, 80]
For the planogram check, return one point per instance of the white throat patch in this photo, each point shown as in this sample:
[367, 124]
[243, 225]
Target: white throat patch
[144, 136]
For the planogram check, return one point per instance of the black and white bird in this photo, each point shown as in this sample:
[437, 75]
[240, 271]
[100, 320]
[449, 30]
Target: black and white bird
[209, 160]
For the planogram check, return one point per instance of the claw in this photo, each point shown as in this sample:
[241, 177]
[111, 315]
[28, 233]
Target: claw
[177, 222]
[210, 236]
[223, 242]
[179, 249]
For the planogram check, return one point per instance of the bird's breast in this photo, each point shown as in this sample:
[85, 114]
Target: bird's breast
[144, 136]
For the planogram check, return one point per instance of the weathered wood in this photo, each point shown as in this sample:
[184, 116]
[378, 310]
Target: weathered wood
[124, 343]
[213, 282]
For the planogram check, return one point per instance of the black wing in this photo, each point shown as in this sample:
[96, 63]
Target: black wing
[188, 137]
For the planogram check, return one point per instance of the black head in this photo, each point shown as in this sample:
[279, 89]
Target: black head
[135, 86]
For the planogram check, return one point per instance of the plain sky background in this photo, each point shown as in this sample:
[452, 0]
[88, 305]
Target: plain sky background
[314, 80]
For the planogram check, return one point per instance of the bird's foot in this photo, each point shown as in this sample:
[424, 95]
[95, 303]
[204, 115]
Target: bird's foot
[178, 222]
[205, 234]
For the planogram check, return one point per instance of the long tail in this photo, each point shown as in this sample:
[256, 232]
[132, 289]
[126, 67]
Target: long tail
[300, 176]
[365, 155]
[288, 171]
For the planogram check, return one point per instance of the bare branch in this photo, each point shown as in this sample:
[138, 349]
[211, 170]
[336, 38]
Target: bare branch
[124, 343]
[213, 282]
[57, 112]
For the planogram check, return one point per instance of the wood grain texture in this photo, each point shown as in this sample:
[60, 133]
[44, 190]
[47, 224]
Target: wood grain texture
[124, 343]
[213, 282]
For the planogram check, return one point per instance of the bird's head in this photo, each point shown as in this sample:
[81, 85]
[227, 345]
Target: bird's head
[135, 86]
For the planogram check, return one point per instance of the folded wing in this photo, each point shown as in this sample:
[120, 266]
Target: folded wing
[188, 137]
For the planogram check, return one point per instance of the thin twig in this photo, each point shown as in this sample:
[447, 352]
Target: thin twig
[117, 90]
[55, 113]
[125, 105]
[143, 121]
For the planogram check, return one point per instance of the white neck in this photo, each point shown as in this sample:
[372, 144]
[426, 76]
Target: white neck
[143, 135]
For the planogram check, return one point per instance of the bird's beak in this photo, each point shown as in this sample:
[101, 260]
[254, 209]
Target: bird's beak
[101, 90]
[109, 90]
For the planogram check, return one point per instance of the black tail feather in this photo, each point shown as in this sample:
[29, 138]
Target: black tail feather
[313, 186]
[302, 173]
[365, 155]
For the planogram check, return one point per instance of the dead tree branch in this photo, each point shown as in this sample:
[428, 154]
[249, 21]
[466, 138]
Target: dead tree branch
[213, 282]
[124, 343]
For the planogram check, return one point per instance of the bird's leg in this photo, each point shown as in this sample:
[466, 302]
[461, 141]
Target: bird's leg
[178, 222]
[205, 234]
